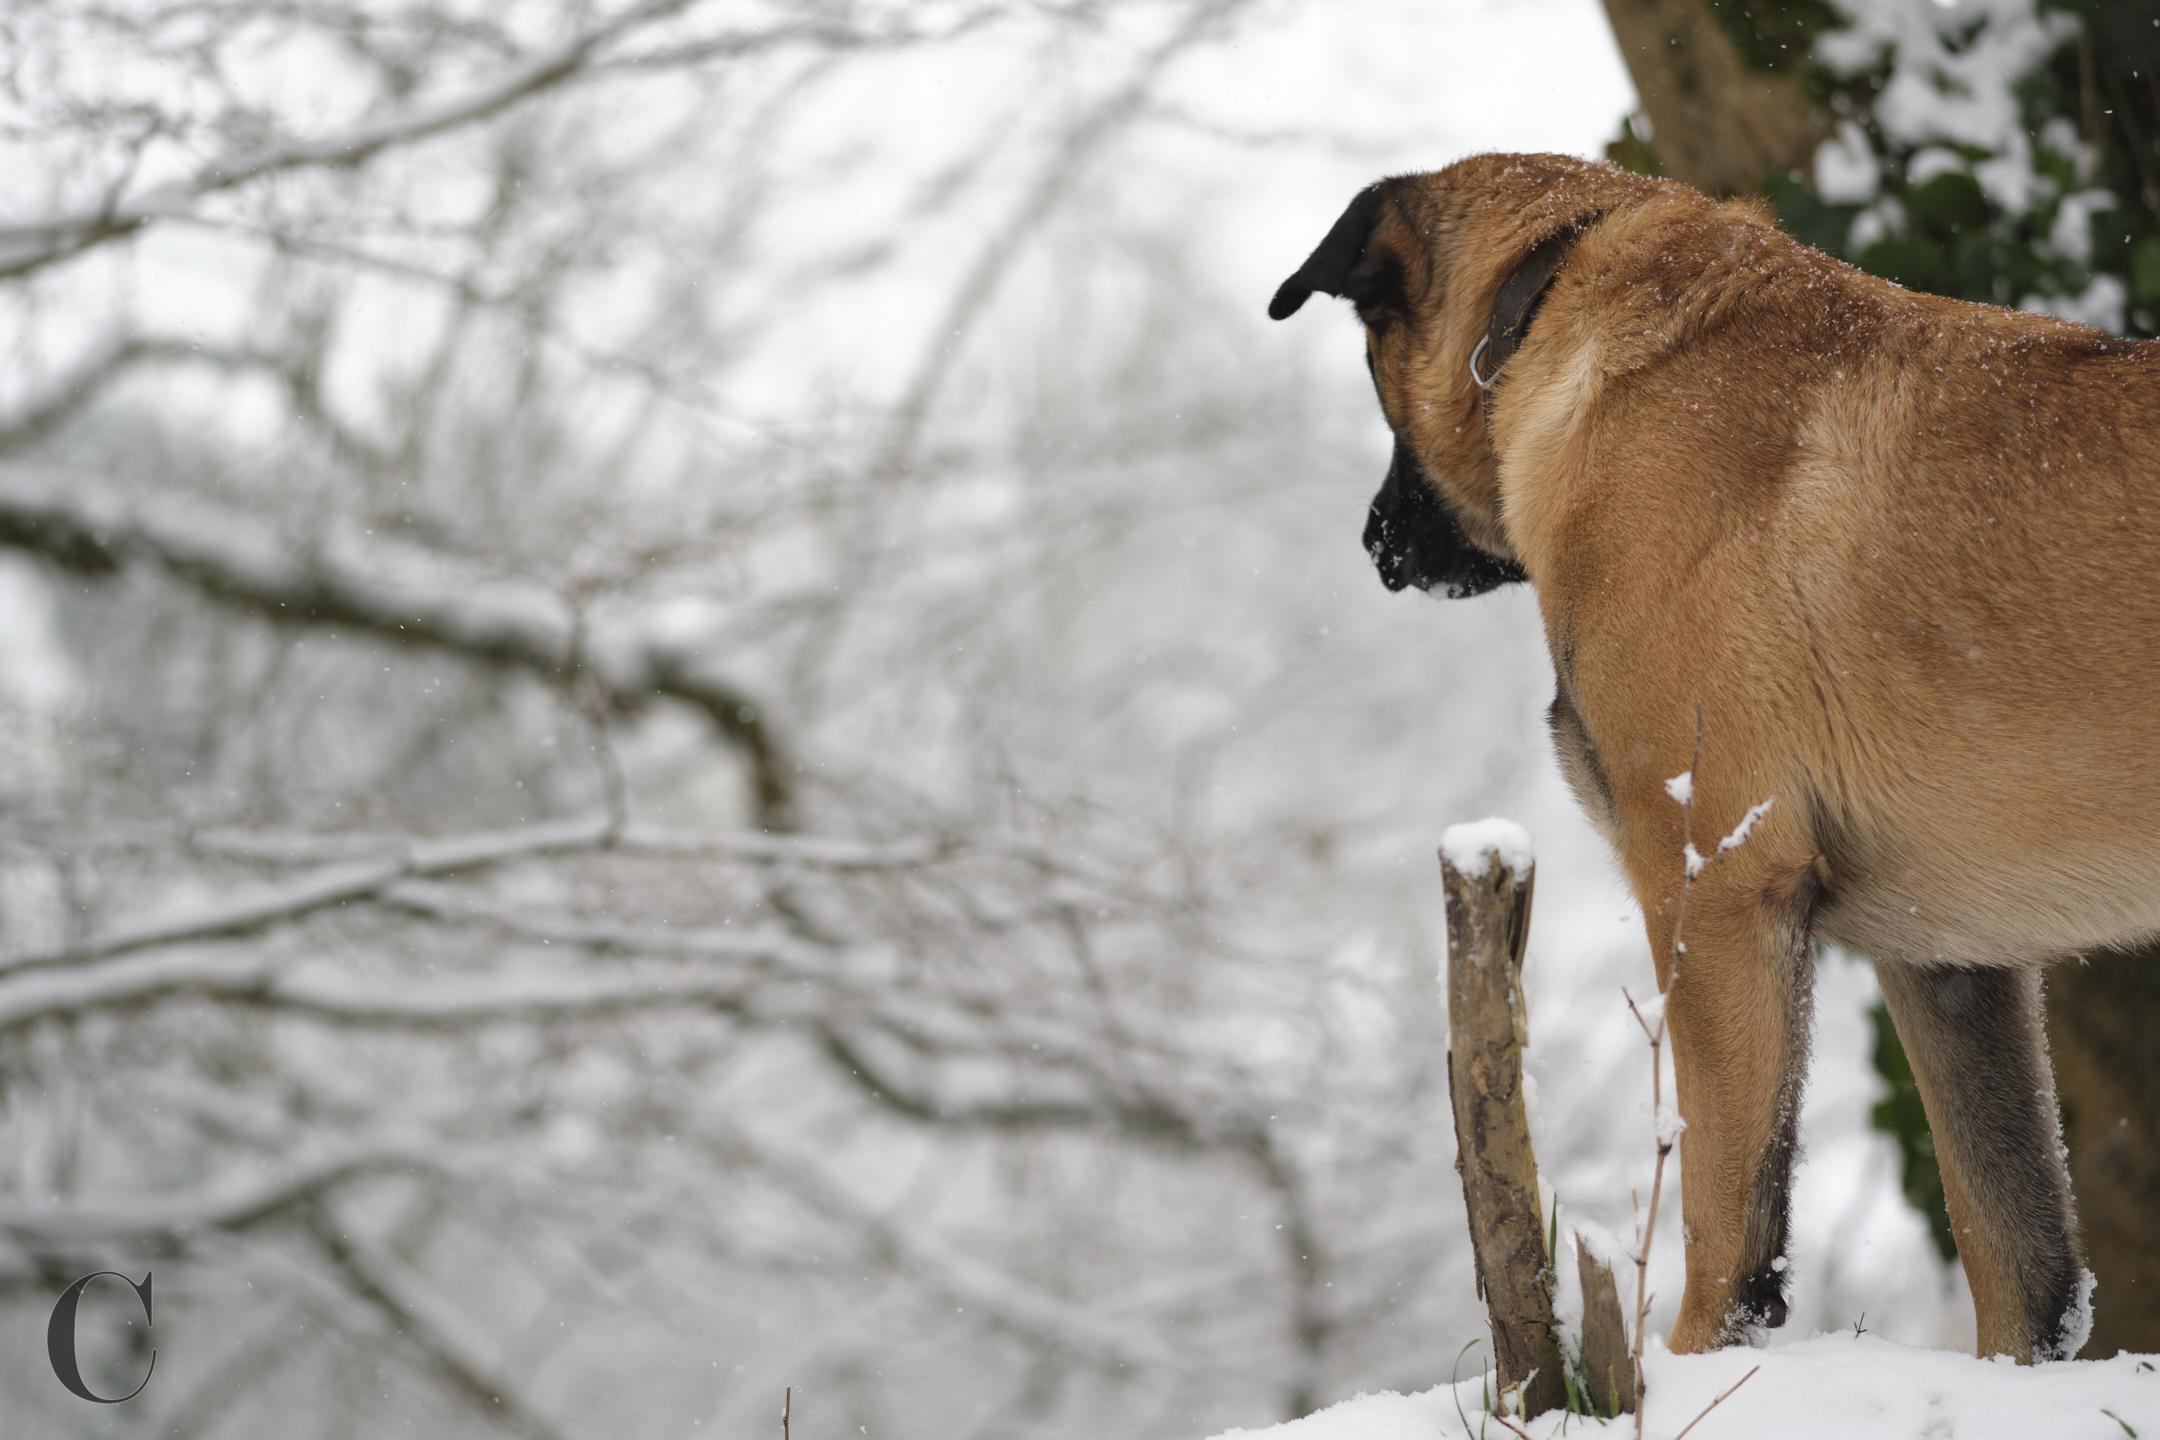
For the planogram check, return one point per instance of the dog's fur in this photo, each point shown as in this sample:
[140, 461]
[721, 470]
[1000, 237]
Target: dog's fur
[1898, 555]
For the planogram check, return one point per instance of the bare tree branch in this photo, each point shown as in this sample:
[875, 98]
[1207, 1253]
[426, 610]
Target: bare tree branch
[821, 34]
[1010, 1302]
[1058, 177]
[336, 885]
[27, 246]
[82, 384]
[427, 1323]
[365, 868]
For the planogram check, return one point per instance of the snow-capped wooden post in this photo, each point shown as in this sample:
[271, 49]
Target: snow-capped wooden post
[1487, 870]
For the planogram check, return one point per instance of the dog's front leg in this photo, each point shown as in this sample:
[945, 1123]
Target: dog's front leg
[1739, 981]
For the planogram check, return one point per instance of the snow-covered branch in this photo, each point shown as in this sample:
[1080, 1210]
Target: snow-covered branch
[231, 1205]
[259, 978]
[363, 583]
[782, 851]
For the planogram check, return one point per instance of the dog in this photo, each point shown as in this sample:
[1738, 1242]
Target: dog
[1877, 571]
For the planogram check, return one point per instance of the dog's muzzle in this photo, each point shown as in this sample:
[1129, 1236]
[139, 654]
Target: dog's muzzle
[1414, 541]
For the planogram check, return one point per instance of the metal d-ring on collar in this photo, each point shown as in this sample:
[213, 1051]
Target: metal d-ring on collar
[1475, 355]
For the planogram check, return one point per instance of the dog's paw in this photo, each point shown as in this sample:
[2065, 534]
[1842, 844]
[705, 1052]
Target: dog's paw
[1696, 1331]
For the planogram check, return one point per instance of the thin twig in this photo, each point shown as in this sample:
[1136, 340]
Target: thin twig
[1715, 1403]
[1657, 1186]
[590, 700]
[787, 1410]
[1512, 1426]
[1656, 1036]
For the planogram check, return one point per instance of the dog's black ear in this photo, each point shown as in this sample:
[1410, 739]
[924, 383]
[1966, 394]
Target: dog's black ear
[1338, 266]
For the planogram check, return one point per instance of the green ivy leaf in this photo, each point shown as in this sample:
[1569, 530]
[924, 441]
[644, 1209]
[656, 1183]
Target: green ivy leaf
[1811, 219]
[2145, 268]
[1901, 1116]
[1948, 201]
[1914, 261]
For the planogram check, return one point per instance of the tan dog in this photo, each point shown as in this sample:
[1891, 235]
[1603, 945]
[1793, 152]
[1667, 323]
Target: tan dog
[1898, 553]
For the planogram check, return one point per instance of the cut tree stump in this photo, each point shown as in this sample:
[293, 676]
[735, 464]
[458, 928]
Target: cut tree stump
[1487, 871]
[1608, 1367]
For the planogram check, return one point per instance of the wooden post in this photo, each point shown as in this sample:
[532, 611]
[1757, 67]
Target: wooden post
[1488, 872]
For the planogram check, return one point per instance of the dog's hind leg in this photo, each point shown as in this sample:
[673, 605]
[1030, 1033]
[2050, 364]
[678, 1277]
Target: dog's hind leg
[1974, 1037]
[1738, 1000]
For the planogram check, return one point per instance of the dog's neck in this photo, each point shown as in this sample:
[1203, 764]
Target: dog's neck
[1521, 293]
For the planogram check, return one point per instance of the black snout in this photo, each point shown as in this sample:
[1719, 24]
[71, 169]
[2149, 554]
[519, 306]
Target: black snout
[1392, 562]
[1413, 540]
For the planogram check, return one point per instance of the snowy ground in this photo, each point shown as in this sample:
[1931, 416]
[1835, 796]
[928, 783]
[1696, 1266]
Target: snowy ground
[1841, 1386]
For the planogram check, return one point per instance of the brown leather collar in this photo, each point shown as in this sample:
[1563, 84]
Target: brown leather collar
[1517, 305]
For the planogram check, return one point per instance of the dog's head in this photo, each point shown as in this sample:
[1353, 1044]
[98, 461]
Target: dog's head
[1423, 259]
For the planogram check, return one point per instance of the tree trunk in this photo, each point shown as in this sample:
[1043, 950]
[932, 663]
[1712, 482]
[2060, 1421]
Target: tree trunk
[2101, 1016]
[1715, 122]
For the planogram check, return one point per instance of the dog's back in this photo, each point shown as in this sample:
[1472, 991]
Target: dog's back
[1995, 615]
[1929, 537]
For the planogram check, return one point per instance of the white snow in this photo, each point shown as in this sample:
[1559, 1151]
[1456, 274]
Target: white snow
[2100, 305]
[1846, 170]
[2078, 1323]
[1602, 1244]
[2071, 232]
[1682, 787]
[1473, 846]
[1746, 827]
[1949, 83]
[1931, 161]
[38, 675]
[1567, 1281]
[1884, 218]
[1842, 1386]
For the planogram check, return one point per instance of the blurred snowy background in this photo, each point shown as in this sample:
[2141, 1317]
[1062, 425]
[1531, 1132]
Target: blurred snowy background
[691, 706]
